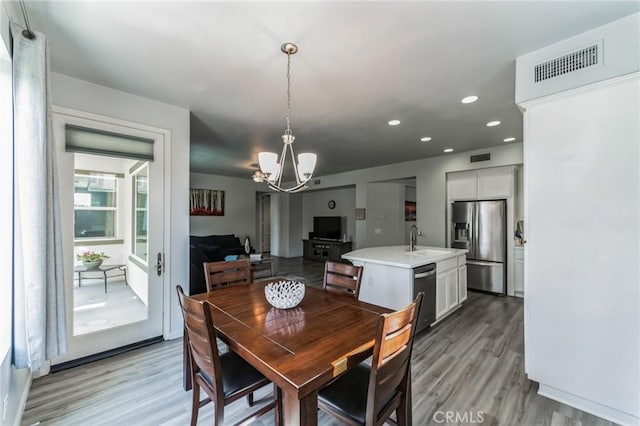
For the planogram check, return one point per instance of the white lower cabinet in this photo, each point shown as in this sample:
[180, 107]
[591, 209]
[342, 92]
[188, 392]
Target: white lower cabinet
[441, 295]
[518, 271]
[462, 283]
[452, 288]
[451, 275]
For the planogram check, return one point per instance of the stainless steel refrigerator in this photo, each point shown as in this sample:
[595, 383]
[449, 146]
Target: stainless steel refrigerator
[481, 228]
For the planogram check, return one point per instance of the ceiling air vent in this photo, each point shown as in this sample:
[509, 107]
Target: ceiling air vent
[480, 157]
[570, 62]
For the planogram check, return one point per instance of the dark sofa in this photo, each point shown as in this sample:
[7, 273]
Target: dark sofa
[211, 248]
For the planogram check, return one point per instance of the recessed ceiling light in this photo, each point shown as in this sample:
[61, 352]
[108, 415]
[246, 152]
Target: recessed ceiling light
[394, 122]
[448, 150]
[425, 139]
[469, 99]
[493, 123]
[509, 139]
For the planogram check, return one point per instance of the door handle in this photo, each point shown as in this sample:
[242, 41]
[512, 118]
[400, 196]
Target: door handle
[423, 275]
[159, 265]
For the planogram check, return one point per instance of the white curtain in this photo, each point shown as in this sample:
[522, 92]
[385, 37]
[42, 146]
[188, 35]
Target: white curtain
[40, 330]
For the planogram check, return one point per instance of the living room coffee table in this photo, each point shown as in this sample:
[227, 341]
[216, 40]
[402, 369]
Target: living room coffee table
[80, 269]
[261, 265]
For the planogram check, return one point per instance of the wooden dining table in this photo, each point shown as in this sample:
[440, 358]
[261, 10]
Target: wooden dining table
[300, 349]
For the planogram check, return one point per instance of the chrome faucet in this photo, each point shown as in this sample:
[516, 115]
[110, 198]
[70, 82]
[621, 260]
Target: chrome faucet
[414, 232]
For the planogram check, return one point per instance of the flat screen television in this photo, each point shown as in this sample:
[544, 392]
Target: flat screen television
[327, 227]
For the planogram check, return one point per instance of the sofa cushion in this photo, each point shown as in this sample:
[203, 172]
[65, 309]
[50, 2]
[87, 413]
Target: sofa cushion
[224, 241]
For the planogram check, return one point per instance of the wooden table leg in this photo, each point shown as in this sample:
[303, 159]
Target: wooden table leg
[279, 413]
[301, 412]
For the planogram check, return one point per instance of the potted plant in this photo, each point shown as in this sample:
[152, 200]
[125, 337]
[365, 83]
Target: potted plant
[91, 259]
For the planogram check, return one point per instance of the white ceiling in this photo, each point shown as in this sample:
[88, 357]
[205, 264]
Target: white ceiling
[359, 65]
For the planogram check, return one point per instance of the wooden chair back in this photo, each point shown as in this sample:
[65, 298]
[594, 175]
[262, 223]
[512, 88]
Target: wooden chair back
[342, 278]
[201, 335]
[226, 273]
[390, 369]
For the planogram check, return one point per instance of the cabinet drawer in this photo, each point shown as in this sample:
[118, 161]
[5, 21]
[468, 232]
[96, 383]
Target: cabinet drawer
[445, 265]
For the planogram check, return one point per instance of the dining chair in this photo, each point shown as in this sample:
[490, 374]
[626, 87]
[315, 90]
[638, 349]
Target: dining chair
[369, 395]
[226, 273]
[342, 278]
[226, 377]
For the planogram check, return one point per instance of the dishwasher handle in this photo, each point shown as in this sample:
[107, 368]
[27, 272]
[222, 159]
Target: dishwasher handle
[425, 274]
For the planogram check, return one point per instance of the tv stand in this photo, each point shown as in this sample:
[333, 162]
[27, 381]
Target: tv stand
[323, 250]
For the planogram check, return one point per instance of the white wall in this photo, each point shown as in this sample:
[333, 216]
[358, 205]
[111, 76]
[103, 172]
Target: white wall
[385, 214]
[582, 210]
[286, 225]
[84, 96]
[239, 207]
[315, 203]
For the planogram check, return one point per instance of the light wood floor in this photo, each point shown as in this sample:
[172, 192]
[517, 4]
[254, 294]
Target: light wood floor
[471, 365]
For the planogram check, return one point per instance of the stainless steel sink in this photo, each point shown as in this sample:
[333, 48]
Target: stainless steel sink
[428, 252]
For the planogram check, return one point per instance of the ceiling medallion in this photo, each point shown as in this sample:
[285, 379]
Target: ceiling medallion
[270, 169]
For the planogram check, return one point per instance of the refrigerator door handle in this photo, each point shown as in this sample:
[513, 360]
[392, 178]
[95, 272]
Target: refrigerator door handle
[483, 263]
[474, 229]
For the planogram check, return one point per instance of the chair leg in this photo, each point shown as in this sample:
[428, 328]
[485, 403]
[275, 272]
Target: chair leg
[195, 403]
[403, 412]
[250, 399]
[218, 418]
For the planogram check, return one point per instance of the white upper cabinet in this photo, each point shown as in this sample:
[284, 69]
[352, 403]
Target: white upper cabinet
[495, 183]
[462, 185]
[482, 184]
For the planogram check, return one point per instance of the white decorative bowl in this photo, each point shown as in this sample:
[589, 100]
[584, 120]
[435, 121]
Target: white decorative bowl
[284, 294]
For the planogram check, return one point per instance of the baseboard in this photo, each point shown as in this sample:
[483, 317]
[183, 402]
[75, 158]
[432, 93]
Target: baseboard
[106, 354]
[19, 388]
[589, 406]
[22, 404]
[174, 335]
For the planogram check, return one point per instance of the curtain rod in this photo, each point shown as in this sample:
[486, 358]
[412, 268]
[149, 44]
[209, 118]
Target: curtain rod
[26, 33]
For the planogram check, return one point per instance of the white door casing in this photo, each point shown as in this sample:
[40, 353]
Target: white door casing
[154, 325]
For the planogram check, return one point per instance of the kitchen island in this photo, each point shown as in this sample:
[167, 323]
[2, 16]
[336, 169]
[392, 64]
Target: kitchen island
[388, 276]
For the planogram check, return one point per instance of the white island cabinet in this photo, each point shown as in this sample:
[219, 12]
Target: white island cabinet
[387, 278]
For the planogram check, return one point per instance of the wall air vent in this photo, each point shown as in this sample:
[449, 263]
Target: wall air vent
[573, 61]
[480, 157]
[316, 181]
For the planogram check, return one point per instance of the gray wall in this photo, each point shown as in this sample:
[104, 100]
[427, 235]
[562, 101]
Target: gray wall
[239, 207]
[315, 203]
[385, 214]
[430, 176]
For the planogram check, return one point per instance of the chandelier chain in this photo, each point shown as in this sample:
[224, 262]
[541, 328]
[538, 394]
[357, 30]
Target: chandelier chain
[288, 131]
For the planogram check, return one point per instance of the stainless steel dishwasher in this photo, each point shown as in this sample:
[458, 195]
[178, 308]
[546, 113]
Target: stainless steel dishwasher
[424, 280]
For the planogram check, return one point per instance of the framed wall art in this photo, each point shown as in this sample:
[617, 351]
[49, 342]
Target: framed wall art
[410, 211]
[206, 202]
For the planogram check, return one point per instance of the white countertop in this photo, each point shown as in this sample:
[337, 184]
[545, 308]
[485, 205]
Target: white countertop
[401, 257]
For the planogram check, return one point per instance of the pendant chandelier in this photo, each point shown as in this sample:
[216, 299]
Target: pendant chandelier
[271, 170]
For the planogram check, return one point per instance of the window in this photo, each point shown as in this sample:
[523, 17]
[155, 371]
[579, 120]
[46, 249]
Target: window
[140, 201]
[6, 199]
[95, 205]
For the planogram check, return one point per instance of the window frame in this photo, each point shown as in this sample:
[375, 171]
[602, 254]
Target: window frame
[115, 208]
